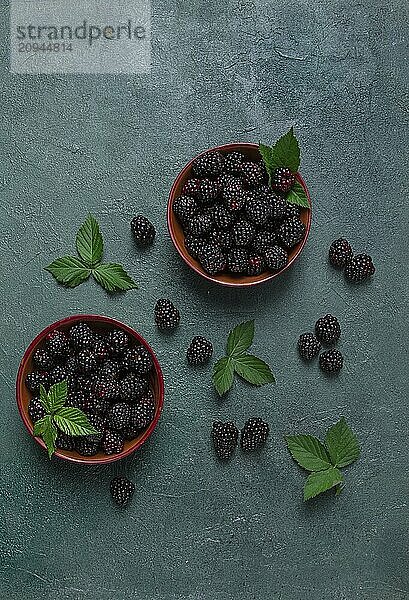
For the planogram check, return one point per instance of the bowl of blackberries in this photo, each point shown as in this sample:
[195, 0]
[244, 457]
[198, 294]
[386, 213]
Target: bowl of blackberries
[112, 381]
[230, 222]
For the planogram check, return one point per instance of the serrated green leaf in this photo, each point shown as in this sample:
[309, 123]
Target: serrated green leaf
[57, 396]
[41, 425]
[267, 156]
[321, 482]
[240, 338]
[286, 152]
[342, 444]
[73, 421]
[308, 452]
[89, 241]
[44, 398]
[253, 369]
[49, 436]
[68, 271]
[113, 278]
[223, 372]
[298, 196]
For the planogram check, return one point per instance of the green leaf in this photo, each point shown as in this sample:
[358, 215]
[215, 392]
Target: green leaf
[69, 271]
[223, 372]
[298, 196]
[41, 425]
[308, 452]
[321, 482]
[90, 245]
[342, 445]
[57, 396]
[253, 369]
[44, 398]
[113, 278]
[240, 338]
[73, 421]
[46, 429]
[267, 156]
[286, 152]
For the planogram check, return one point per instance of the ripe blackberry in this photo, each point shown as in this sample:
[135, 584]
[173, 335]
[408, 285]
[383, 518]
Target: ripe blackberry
[254, 174]
[254, 434]
[143, 412]
[212, 259]
[121, 490]
[76, 400]
[243, 233]
[81, 336]
[233, 162]
[58, 374]
[71, 365]
[225, 436]
[36, 410]
[86, 361]
[200, 225]
[277, 204]
[209, 164]
[194, 245]
[292, 211]
[143, 230]
[65, 441]
[56, 342]
[255, 264]
[86, 383]
[185, 207]
[340, 252]
[98, 423]
[291, 232]
[222, 238]
[225, 179]
[112, 442]
[167, 316]
[118, 416]
[222, 217]
[328, 329]
[200, 351]
[138, 360]
[101, 350]
[308, 346]
[43, 360]
[331, 361]
[191, 187]
[237, 260]
[132, 388]
[257, 210]
[275, 258]
[35, 379]
[109, 370]
[86, 447]
[263, 240]
[234, 197]
[118, 341]
[283, 180]
[106, 388]
[359, 268]
[208, 191]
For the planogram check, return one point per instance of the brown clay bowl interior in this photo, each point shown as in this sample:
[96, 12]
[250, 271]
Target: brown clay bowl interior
[178, 237]
[102, 324]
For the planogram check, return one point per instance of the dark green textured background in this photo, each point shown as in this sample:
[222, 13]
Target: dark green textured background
[197, 529]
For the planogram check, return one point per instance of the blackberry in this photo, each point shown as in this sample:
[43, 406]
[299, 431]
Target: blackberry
[86, 447]
[86, 383]
[308, 346]
[112, 442]
[292, 211]
[254, 174]
[109, 370]
[276, 204]
[185, 208]
[331, 361]
[118, 341]
[98, 423]
[222, 238]
[200, 351]
[121, 490]
[76, 400]
[359, 268]
[233, 162]
[208, 191]
[257, 211]
[86, 361]
[243, 233]
[225, 436]
[132, 388]
[234, 197]
[58, 374]
[194, 245]
[254, 434]
[209, 164]
[225, 179]
[191, 187]
[263, 240]
[200, 225]
[65, 441]
[276, 258]
[167, 316]
[222, 217]
[340, 252]
[255, 264]
[81, 336]
[283, 180]
[212, 259]
[43, 360]
[143, 230]
[143, 412]
[36, 410]
[97, 405]
[328, 329]
[56, 343]
[35, 379]
[237, 260]
[71, 365]
[106, 388]
[138, 360]
[101, 350]
[291, 232]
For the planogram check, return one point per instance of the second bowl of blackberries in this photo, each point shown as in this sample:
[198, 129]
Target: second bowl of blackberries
[112, 376]
[231, 224]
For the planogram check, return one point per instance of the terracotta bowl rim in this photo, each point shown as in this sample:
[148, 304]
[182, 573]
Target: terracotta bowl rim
[109, 321]
[189, 261]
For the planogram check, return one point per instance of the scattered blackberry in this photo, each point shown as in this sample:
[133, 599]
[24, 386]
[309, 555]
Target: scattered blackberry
[143, 230]
[58, 374]
[86, 447]
[257, 210]
[263, 240]
[234, 197]
[331, 361]
[209, 164]
[35, 379]
[225, 436]
[35, 409]
[222, 238]
[143, 412]
[328, 329]
[276, 258]
[101, 350]
[194, 245]
[200, 351]
[185, 208]
[132, 388]
[276, 204]
[43, 360]
[255, 265]
[81, 336]
[222, 217]
[86, 361]
[57, 344]
[254, 174]
[360, 267]
[167, 316]
[291, 232]
[65, 441]
[109, 370]
[212, 259]
[340, 252]
[254, 434]
[283, 180]
[200, 225]
[106, 388]
[118, 341]
[237, 260]
[112, 442]
[191, 188]
[122, 490]
[233, 162]
[243, 233]
[308, 346]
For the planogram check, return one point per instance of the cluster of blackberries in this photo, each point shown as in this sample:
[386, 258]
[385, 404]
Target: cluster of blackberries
[356, 267]
[108, 378]
[252, 437]
[327, 331]
[233, 220]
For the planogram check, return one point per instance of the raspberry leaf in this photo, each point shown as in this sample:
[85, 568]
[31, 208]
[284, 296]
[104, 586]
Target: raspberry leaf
[57, 396]
[89, 241]
[223, 373]
[40, 426]
[73, 421]
[46, 429]
[267, 156]
[44, 398]
[286, 152]
[113, 278]
[298, 196]
[68, 271]
[240, 338]
[342, 444]
[321, 482]
[308, 452]
[253, 369]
